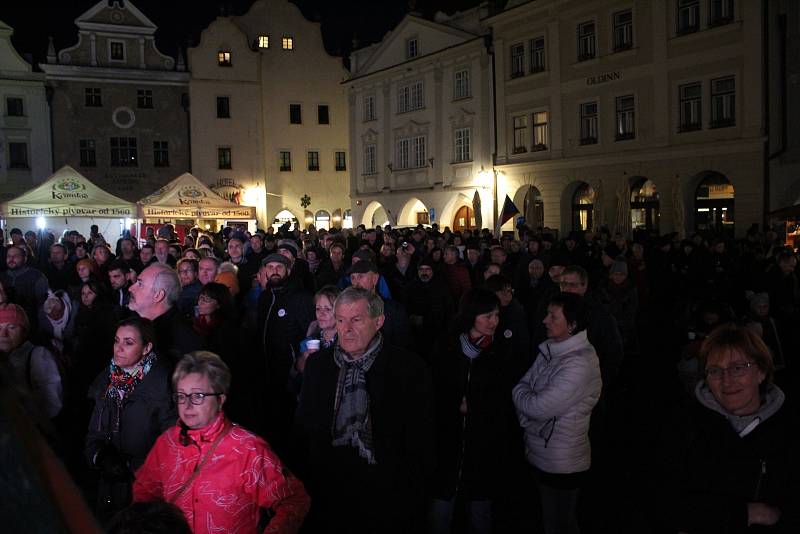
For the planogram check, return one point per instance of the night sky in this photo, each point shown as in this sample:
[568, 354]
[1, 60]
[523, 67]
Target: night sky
[180, 22]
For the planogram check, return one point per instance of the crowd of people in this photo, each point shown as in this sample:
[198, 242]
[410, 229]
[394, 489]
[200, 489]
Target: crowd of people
[413, 380]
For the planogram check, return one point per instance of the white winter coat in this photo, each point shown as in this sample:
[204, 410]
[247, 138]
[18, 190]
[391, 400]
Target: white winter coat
[554, 402]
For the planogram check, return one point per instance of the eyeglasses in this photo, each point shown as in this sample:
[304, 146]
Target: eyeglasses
[195, 398]
[737, 370]
[205, 298]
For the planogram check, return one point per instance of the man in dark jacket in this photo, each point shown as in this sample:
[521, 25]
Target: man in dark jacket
[365, 427]
[396, 328]
[60, 272]
[429, 306]
[24, 285]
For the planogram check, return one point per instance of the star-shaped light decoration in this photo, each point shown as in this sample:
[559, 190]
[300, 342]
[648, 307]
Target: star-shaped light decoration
[305, 201]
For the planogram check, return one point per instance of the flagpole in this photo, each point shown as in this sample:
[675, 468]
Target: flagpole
[495, 209]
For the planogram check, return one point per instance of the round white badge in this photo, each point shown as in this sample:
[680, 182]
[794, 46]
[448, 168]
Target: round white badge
[281, 312]
[507, 334]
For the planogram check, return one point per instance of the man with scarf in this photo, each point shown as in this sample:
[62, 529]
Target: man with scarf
[364, 427]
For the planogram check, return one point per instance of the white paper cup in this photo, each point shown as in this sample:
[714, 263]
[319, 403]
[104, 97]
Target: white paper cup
[312, 344]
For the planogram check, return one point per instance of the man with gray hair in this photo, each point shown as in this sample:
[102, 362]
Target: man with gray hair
[365, 426]
[154, 296]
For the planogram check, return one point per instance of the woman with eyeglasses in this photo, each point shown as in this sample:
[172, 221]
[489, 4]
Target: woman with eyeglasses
[554, 402]
[224, 478]
[734, 451]
[132, 407]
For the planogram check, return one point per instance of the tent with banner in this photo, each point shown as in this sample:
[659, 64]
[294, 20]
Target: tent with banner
[68, 200]
[188, 199]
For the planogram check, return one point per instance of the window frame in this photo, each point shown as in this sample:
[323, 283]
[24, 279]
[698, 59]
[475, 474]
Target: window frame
[624, 118]
[263, 42]
[323, 112]
[412, 48]
[10, 108]
[87, 152]
[411, 97]
[15, 149]
[626, 41]
[692, 8]
[539, 52]
[587, 41]
[224, 158]
[224, 58]
[370, 159]
[462, 85]
[111, 58]
[517, 64]
[125, 153]
[540, 138]
[340, 160]
[161, 153]
[287, 43]
[462, 144]
[728, 99]
[312, 158]
[295, 118]
[284, 161]
[223, 107]
[369, 108]
[694, 103]
[144, 99]
[720, 19]
[519, 133]
[93, 97]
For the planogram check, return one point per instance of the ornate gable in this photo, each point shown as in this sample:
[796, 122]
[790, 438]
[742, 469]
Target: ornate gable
[116, 15]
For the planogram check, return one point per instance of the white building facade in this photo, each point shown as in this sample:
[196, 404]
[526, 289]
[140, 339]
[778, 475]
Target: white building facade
[25, 141]
[269, 116]
[421, 124]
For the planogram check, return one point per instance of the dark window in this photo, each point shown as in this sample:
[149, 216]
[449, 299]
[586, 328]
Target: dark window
[224, 58]
[14, 107]
[626, 118]
[411, 48]
[124, 152]
[721, 12]
[688, 16]
[17, 155]
[313, 161]
[517, 60]
[285, 161]
[340, 162]
[117, 51]
[537, 55]
[723, 102]
[223, 107]
[160, 154]
[224, 158]
[144, 98]
[93, 97]
[690, 106]
[520, 134]
[88, 153]
[322, 115]
[587, 44]
[623, 30]
[589, 123]
[295, 114]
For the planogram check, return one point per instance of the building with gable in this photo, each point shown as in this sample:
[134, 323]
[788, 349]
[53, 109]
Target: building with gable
[269, 116]
[25, 154]
[120, 108]
[421, 126]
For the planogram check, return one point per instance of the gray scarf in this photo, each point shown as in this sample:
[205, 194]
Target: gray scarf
[352, 425]
[771, 402]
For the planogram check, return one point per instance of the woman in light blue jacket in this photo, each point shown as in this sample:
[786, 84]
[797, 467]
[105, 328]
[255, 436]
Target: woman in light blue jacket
[554, 402]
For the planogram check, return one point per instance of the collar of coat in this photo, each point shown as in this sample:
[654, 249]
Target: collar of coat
[553, 349]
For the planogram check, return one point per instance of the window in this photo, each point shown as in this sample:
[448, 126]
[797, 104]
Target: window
[625, 118]
[116, 50]
[160, 154]
[224, 158]
[461, 84]
[88, 153]
[517, 60]
[540, 131]
[17, 155]
[410, 97]
[322, 115]
[287, 43]
[589, 123]
[124, 152]
[537, 54]
[370, 160]
[723, 102]
[623, 30]
[688, 16]
[93, 97]
[223, 107]
[410, 152]
[411, 48]
[339, 158]
[369, 108]
[144, 99]
[285, 161]
[721, 12]
[462, 144]
[15, 107]
[587, 46]
[418, 146]
[313, 160]
[690, 107]
[263, 41]
[295, 114]
[520, 134]
[224, 58]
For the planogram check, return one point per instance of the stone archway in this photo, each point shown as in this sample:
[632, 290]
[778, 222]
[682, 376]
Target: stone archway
[454, 210]
[714, 203]
[283, 216]
[413, 212]
[645, 204]
[375, 214]
[577, 206]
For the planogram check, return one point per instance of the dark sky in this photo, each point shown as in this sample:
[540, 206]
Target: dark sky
[181, 21]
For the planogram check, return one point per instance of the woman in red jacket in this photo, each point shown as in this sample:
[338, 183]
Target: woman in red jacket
[223, 477]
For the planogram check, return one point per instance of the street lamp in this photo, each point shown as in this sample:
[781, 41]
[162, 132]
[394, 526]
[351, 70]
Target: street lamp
[489, 179]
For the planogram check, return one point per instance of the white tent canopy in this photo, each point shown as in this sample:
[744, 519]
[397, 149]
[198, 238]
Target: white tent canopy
[67, 193]
[186, 197]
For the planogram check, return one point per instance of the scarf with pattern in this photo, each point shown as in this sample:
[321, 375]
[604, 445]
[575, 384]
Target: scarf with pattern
[122, 383]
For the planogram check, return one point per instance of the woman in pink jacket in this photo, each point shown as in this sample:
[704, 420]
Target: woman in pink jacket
[223, 477]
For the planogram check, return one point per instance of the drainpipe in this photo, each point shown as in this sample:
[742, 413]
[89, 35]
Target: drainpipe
[488, 42]
[765, 110]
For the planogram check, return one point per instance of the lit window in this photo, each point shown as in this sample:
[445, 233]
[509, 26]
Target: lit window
[263, 41]
[540, 131]
[224, 58]
[287, 43]
[589, 123]
[462, 144]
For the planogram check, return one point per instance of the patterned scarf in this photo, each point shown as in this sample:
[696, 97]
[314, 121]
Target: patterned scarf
[122, 383]
[352, 425]
[473, 349]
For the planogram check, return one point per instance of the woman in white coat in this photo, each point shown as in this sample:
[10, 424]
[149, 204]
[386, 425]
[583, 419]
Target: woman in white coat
[554, 402]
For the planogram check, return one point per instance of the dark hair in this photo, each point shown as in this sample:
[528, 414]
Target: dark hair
[151, 517]
[144, 326]
[220, 293]
[119, 265]
[476, 301]
[497, 282]
[148, 245]
[573, 307]
[95, 288]
[191, 262]
[580, 271]
[729, 337]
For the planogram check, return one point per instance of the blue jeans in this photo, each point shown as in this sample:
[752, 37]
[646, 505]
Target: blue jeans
[440, 516]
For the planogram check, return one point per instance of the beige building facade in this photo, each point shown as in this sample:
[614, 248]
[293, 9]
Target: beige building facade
[631, 114]
[269, 116]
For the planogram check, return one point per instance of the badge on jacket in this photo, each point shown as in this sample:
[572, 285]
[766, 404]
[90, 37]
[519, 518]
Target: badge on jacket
[507, 334]
[281, 312]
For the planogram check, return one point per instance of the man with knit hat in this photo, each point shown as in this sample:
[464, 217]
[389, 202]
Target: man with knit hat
[300, 271]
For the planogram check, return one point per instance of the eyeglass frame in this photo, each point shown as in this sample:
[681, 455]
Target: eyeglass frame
[735, 370]
[202, 397]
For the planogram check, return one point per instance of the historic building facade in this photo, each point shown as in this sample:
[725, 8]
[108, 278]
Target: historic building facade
[25, 153]
[632, 114]
[421, 124]
[120, 108]
[269, 116]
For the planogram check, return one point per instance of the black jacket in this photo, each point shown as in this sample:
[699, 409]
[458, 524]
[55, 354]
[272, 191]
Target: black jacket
[174, 336]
